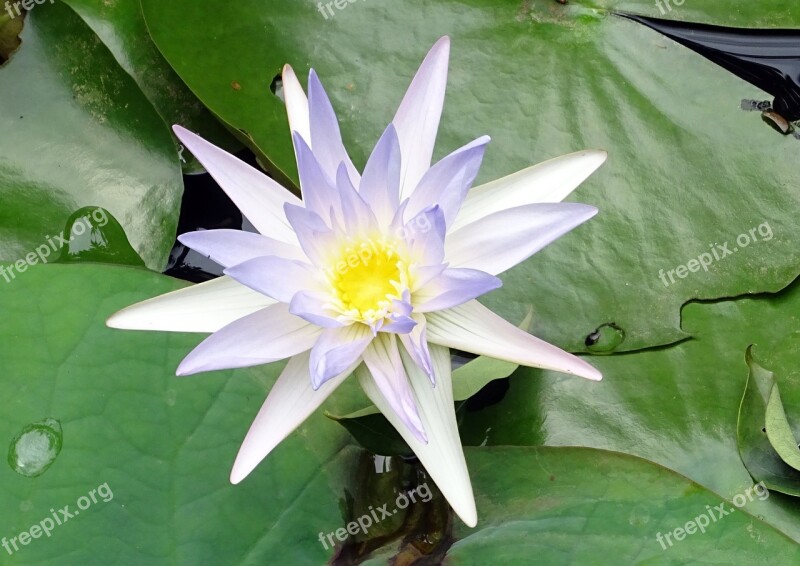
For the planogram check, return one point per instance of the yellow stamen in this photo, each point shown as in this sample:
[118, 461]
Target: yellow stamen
[366, 277]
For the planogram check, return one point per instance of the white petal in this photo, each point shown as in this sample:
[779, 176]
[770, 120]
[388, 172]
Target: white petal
[501, 240]
[205, 307]
[290, 402]
[231, 247]
[551, 181]
[442, 456]
[296, 103]
[382, 358]
[326, 138]
[266, 336]
[474, 328]
[257, 196]
[417, 118]
[275, 277]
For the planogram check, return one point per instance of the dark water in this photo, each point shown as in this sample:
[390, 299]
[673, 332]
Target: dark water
[766, 58]
[204, 206]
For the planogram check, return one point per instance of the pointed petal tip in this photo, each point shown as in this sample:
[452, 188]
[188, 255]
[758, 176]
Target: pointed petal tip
[418, 432]
[116, 321]
[125, 319]
[442, 43]
[181, 131]
[465, 508]
[594, 158]
[595, 376]
[238, 472]
[587, 371]
[184, 369]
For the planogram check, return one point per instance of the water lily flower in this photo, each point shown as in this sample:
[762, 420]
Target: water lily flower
[373, 273]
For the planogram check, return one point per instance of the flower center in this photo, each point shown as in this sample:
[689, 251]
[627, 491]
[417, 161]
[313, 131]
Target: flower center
[366, 277]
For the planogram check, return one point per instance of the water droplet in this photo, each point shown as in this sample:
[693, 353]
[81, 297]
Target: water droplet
[35, 448]
[93, 235]
[171, 397]
[605, 339]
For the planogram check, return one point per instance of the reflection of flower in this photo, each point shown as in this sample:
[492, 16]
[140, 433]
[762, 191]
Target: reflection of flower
[375, 273]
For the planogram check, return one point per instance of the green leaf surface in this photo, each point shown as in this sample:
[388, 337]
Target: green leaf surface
[120, 26]
[78, 132]
[579, 506]
[779, 432]
[765, 436]
[676, 406]
[570, 505]
[163, 445]
[688, 169]
[473, 376]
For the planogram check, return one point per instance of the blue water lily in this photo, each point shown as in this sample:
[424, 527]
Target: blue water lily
[373, 273]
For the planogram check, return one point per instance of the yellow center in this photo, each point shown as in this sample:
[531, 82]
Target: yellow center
[366, 277]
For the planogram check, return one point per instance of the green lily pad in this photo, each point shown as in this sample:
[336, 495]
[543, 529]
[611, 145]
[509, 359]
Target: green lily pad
[574, 506]
[120, 26]
[688, 169]
[78, 132]
[582, 506]
[162, 446]
[677, 406]
[767, 440]
[779, 432]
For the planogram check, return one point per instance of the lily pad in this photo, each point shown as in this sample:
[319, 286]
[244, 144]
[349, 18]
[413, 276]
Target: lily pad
[688, 169]
[78, 132]
[676, 406]
[572, 505]
[162, 446]
[575, 505]
[767, 440]
[120, 26]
